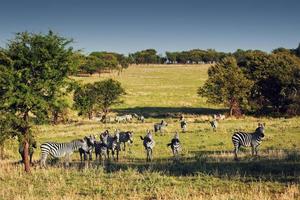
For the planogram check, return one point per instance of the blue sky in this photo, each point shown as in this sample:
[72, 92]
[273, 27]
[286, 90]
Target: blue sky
[127, 26]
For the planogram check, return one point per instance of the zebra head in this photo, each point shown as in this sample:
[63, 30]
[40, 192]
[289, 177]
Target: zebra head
[130, 136]
[90, 140]
[260, 130]
[164, 123]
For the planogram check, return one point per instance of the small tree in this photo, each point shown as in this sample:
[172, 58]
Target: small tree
[107, 94]
[226, 84]
[98, 96]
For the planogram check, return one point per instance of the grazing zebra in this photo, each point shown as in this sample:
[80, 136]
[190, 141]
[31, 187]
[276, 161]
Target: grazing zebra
[58, 150]
[248, 139]
[32, 146]
[183, 125]
[214, 124]
[149, 144]
[125, 137]
[160, 126]
[139, 117]
[123, 118]
[219, 117]
[90, 143]
[175, 145]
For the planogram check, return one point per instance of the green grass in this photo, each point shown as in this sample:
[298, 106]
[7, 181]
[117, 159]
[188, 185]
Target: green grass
[206, 169]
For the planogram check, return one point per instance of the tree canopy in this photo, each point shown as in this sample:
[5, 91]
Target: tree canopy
[226, 84]
[99, 96]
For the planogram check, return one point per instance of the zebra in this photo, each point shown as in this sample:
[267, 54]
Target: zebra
[113, 144]
[214, 124]
[149, 144]
[32, 146]
[125, 137]
[219, 117]
[248, 139]
[160, 126]
[175, 145]
[183, 125]
[123, 118]
[83, 153]
[139, 117]
[101, 146]
[58, 150]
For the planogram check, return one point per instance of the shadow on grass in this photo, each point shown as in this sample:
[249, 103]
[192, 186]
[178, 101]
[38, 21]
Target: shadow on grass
[247, 169]
[218, 164]
[157, 112]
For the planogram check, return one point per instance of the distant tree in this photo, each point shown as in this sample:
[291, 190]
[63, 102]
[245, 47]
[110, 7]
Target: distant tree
[148, 56]
[227, 84]
[39, 69]
[107, 93]
[97, 96]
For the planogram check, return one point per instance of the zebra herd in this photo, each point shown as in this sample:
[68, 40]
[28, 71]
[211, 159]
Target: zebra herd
[111, 143]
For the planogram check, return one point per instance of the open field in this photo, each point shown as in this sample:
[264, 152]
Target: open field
[206, 169]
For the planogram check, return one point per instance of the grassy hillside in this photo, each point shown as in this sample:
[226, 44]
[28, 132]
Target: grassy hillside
[206, 169]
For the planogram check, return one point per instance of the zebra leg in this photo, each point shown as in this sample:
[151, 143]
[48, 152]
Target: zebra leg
[256, 151]
[113, 154]
[117, 155]
[150, 155]
[147, 158]
[124, 147]
[252, 150]
[67, 160]
[236, 149]
[91, 155]
[43, 160]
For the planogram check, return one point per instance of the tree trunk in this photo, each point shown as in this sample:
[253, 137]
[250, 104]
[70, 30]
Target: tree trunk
[231, 111]
[55, 117]
[25, 132]
[26, 156]
[1, 151]
[90, 115]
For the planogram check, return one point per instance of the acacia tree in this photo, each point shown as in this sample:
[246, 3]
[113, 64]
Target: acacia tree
[98, 96]
[30, 84]
[226, 84]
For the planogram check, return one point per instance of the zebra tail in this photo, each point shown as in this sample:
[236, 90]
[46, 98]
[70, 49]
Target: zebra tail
[142, 138]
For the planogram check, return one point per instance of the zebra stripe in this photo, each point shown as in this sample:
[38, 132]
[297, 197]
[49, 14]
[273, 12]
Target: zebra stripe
[58, 150]
[248, 139]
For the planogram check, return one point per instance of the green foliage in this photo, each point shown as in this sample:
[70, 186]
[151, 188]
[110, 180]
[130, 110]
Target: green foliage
[97, 96]
[195, 56]
[148, 56]
[84, 100]
[226, 84]
[34, 77]
[276, 80]
[99, 62]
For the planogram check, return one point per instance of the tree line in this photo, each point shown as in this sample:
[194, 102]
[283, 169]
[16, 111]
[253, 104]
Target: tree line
[256, 82]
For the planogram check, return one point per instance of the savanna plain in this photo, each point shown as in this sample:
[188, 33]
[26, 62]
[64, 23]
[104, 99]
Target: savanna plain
[205, 170]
